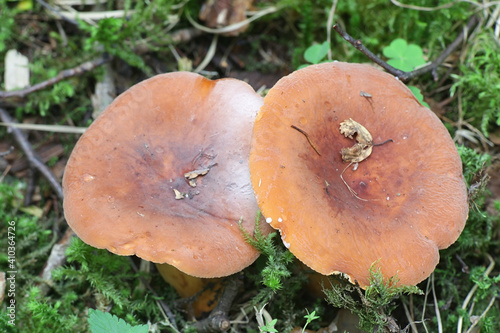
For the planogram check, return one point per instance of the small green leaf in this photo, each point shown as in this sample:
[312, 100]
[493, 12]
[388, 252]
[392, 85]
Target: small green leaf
[404, 56]
[311, 316]
[104, 322]
[269, 327]
[418, 95]
[395, 49]
[317, 52]
[24, 5]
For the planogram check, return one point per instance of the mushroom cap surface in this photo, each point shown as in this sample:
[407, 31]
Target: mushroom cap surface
[120, 179]
[411, 195]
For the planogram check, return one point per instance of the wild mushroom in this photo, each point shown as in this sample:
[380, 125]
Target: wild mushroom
[163, 174]
[396, 207]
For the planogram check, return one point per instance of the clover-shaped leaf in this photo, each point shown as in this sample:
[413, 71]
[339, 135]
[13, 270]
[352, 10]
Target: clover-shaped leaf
[316, 53]
[404, 56]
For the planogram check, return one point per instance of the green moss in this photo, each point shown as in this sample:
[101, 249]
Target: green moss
[278, 259]
[479, 82]
[374, 305]
[139, 43]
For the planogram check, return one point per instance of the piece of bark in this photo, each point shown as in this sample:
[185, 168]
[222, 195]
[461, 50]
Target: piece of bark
[222, 13]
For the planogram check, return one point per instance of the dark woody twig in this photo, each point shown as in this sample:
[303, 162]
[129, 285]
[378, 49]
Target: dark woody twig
[406, 76]
[30, 186]
[358, 44]
[218, 320]
[33, 159]
[57, 12]
[85, 67]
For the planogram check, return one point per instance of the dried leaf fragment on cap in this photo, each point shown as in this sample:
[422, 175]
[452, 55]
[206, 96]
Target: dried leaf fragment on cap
[195, 173]
[178, 194]
[192, 175]
[363, 148]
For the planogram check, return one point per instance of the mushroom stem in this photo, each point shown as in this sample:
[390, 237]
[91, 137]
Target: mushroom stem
[200, 294]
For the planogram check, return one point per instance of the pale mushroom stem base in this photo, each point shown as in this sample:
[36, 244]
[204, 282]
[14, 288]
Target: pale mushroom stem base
[202, 294]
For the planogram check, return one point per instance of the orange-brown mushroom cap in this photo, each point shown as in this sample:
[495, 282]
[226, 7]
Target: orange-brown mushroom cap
[120, 179]
[411, 196]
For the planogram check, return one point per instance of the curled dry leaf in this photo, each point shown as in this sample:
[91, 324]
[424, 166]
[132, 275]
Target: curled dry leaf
[195, 173]
[363, 148]
[192, 175]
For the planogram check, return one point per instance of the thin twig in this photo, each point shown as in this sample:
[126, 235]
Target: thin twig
[65, 74]
[359, 45]
[427, 9]
[262, 316]
[425, 304]
[92, 17]
[33, 159]
[329, 27]
[436, 306]
[218, 321]
[209, 56]
[458, 40]
[57, 12]
[47, 128]
[348, 187]
[465, 268]
[307, 137]
[462, 133]
[406, 76]
[480, 6]
[383, 143]
[472, 292]
[411, 320]
[490, 304]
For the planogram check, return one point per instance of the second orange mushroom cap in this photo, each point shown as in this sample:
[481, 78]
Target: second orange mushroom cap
[404, 202]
